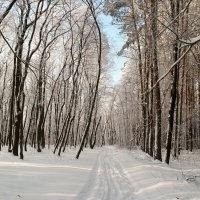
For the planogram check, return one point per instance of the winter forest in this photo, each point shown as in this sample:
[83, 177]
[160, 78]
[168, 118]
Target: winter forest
[58, 101]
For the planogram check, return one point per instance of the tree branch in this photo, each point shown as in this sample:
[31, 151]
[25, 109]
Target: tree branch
[170, 69]
[7, 10]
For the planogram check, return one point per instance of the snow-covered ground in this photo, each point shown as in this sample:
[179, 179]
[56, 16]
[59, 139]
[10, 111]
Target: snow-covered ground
[104, 173]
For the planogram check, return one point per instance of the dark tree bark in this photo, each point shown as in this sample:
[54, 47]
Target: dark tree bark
[175, 6]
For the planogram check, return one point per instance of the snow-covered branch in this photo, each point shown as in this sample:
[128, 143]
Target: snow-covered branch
[191, 41]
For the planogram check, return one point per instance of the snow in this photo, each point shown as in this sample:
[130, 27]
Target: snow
[106, 173]
[43, 176]
[191, 41]
[189, 166]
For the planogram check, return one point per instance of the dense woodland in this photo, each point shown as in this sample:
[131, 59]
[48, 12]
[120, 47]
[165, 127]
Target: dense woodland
[56, 89]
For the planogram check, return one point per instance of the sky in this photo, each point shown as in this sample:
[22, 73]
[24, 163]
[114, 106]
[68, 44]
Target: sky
[116, 41]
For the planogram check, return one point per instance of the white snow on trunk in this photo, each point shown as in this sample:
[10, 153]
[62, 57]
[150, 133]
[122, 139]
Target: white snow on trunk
[193, 40]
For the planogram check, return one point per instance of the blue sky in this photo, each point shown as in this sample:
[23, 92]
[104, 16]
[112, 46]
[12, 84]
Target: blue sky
[116, 41]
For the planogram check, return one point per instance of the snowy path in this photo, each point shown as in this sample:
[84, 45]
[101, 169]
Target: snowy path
[104, 173]
[108, 180]
[123, 175]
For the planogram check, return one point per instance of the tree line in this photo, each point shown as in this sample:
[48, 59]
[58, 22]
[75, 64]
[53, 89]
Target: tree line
[157, 103]
[50, 74]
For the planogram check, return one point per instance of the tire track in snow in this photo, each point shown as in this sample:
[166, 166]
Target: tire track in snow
[108, 180]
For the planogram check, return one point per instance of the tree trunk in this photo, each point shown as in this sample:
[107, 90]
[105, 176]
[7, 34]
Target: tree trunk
[175, 76]
[157, 100]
